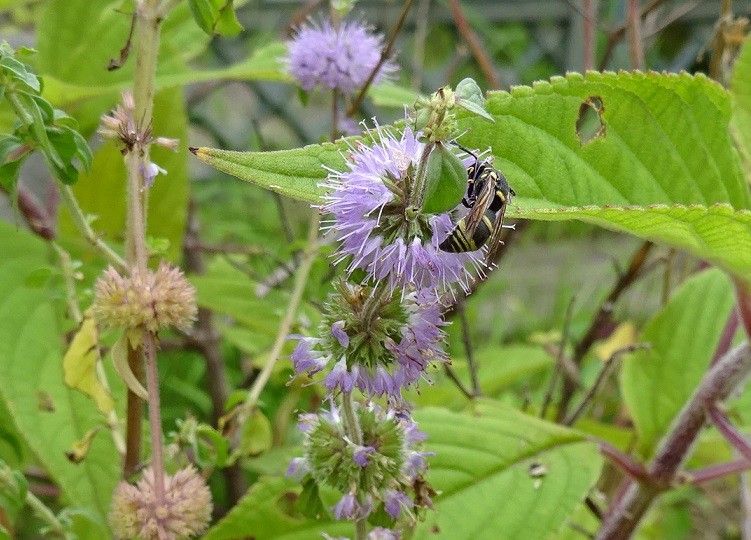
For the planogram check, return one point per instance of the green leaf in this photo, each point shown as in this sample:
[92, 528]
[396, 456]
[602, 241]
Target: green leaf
[265, 513]
[255, 437]
[293, 173]
[658, 169]
[498, 369]
[215, 16]
[49, 415]
[486, 456]
[683, 335]
[80, 366]
[446, 181]
[78, 38]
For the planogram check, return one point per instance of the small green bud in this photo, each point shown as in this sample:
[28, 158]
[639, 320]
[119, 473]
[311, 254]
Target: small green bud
[446, 181]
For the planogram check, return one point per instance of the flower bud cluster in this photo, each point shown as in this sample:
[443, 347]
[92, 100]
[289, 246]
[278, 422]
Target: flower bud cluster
[186, 511]
[148, 300]
[434, 115]
[380, 473]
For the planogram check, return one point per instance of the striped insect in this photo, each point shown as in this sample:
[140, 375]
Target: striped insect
[488, 194]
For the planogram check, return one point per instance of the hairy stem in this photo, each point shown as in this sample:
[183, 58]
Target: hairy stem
[84, 227]
[42, 511]
[147, 21]
[354, 432]
[155, 417]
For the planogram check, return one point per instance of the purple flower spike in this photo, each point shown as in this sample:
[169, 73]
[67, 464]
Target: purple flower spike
[380, 533]
[337, 330]
[371, 228]
[347, 507]
[306, 358]
[361, 456]
[336, 58]
[340, 378]
[298, 468]
[395, 501]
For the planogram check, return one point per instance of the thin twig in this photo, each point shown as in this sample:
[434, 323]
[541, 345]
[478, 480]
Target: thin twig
[713, 472]
[726, 339]
[624, 462]
[558, 368]
[451, 374]
[721, 421]
[155, 418]
[301, 279]
[588, 38]
[619, 33]
[385, 55]
[608, 367]
[633, 32]
[84, 227]
[418, 49]
[469, 351]
[602, 317]
[476, 47]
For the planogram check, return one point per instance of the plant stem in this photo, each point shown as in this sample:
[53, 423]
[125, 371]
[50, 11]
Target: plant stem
[301, 279]
[147, 21]
[468, 350]
[353, 430]
[601, 318]
[45, 514]
[475, 45]
[84, 227]
[155, 417]
[385, 54]
[633, 31]
[626, 512]
[589, 7]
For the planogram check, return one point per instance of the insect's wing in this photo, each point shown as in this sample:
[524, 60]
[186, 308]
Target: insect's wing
[494, 242]
[481, 204]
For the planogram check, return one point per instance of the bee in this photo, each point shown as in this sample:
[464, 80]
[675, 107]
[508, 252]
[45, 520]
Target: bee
[488, 194]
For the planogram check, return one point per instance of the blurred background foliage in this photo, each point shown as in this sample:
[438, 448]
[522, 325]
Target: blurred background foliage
[240, 244]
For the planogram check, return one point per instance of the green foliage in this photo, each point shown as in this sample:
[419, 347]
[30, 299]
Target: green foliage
[39, 126]
[49, 416]
[477, 453]
[216, 16]
[445, 181]
[491, 450]
[663, 167]
[741, 91]
[682, 337]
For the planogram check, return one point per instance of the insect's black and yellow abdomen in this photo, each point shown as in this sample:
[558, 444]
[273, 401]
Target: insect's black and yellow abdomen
[459, 242]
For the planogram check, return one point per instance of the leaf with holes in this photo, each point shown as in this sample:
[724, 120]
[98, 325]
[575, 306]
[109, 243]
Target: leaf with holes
[646, 154]
[682, 337]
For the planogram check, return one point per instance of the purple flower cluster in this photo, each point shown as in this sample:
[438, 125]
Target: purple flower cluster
[400, 350]
[336, 57]
[380, 471]
[368, 202]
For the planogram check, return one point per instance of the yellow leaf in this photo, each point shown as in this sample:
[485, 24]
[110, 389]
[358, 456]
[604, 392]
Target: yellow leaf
[80, 366]
[120, 360]
[80, 449]
[622, 337]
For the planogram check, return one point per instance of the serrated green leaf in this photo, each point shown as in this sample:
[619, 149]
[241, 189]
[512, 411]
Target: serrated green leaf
[49, 415]
[486, 456]
[657, 382]
[659, 169]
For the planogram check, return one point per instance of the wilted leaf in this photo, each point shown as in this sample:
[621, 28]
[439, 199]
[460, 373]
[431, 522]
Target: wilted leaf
[80, 365]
